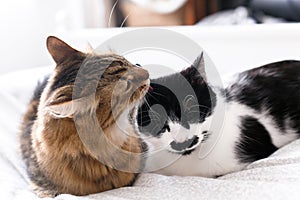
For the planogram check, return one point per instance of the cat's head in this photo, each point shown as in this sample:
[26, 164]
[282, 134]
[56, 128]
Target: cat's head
[83, 83]
[176, 108]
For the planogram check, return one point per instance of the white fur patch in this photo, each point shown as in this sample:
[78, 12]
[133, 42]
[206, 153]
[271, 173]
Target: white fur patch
[217, 155]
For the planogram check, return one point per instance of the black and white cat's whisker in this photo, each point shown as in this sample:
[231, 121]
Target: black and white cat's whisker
[151, 96]
[158, 94]
[220, 166]
[155, 117]
[155, 114]
[147, 121]
[251, 139]
[147, 103]
[247, 132]
[199, 112]
[147, 112]
[199, 105]
[152, 120]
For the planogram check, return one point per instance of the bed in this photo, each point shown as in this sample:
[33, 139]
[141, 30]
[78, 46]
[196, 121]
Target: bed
[232, 49]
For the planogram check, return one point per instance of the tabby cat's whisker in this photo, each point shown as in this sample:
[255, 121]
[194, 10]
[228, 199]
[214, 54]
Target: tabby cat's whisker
[111, 13]
[121, 26]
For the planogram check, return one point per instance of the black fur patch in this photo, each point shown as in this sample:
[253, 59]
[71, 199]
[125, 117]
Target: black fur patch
[273, 88]
[67, 76]
[255, 142]
[28, 154]
[168, 101]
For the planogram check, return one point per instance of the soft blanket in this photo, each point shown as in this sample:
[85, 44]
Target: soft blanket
[276, 177]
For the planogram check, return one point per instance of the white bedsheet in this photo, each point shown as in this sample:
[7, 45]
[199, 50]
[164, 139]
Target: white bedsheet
[277, 177]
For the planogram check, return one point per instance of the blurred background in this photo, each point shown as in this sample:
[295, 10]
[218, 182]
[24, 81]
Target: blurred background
[25, 24]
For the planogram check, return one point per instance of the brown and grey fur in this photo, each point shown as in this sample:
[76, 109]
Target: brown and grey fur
[56, 158]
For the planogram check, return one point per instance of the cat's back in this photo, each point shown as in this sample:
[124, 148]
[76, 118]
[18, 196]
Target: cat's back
[263, 104]
[28, 120]
[261, 87]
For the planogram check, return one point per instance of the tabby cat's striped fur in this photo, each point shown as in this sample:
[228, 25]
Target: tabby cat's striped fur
[56, 159]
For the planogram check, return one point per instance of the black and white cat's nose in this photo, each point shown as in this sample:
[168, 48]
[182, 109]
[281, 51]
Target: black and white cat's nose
[185, 147]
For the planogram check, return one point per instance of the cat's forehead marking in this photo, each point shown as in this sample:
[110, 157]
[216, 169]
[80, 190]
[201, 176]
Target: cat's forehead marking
[110, 57]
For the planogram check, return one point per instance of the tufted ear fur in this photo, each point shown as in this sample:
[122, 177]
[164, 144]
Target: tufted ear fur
[61, 104]
[61, 110]
[200, 66]
[195, 74]
[89, 48]
[59, 50]
[69, 108]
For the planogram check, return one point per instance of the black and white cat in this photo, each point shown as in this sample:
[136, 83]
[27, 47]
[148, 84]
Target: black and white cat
[193, 128]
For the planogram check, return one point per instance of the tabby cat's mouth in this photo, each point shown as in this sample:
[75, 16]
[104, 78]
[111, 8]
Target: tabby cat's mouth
[140, 92]
[145, 87]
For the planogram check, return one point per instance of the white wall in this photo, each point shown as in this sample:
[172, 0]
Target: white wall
[25, 25]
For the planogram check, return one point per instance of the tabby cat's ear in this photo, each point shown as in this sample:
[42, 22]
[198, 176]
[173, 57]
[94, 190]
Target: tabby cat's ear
[59, 50]
[199, 64]
[61, 104]
[89, 48]
[68, 109]
[61, 110]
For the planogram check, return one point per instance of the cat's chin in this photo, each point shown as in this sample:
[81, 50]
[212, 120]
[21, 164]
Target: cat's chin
[145, 86]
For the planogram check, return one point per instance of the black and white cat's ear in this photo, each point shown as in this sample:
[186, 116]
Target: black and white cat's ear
[199, 64]
[60, 50]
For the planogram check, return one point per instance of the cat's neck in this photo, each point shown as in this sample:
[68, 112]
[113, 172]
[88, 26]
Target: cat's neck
[123, 127]
[220, 103]
[114, 145]
[117, 132]
[115, 127]
[218, 100]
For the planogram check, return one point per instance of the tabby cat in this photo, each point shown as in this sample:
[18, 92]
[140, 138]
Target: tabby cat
[261, 114]
[56, 158]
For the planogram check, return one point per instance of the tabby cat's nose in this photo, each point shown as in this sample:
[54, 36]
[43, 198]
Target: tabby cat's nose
[141, 74]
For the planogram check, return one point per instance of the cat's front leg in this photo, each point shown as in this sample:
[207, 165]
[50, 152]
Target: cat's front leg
[44, 192]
